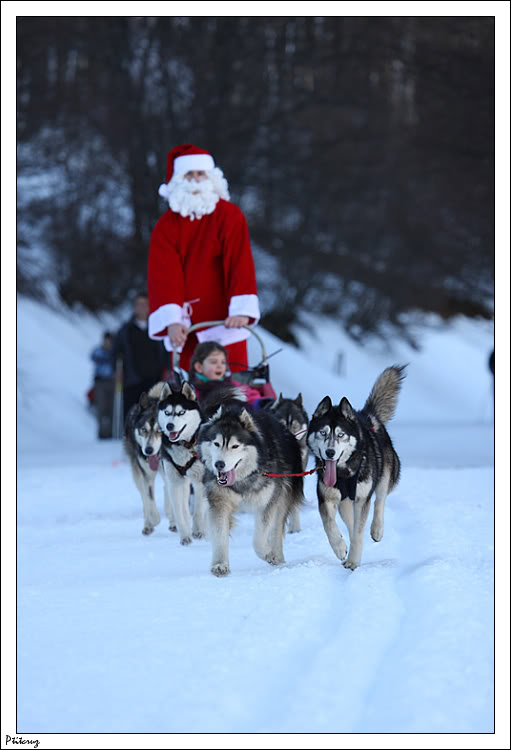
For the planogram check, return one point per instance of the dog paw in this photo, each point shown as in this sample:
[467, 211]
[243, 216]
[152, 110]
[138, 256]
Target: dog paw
[376, 533]
[185, 540]
[172, 527]
[274, 560]
[351, 565]
[220, 569]
[198, 535]
[341, 551]
[147, 530]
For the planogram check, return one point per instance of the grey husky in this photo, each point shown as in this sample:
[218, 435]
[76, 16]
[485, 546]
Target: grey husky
[358, 460]
[239, 447]
[179, 418]
[292, 414]
[142, 443]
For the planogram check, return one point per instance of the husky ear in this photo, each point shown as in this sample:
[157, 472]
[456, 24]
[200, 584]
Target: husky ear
[346, 409]
[188, 392]
[299, 400]
[277, 403]
[163, 392]
[216, 416]
[247, 421]
[322, 407]
[155, 391]
[144, 400]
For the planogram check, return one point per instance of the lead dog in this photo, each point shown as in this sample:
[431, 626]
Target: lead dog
[239, 447]
[359, 460]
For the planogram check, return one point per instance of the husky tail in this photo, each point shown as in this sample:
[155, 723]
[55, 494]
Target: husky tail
[382, 400]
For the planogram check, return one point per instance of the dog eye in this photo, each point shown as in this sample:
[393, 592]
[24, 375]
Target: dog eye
[179, 413]
[322, 433]
[217, 445]
[167, 413]
[234, 446]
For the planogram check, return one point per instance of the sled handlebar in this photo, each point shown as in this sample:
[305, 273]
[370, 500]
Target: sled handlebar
[208, 324]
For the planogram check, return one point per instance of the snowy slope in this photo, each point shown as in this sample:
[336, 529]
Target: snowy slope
[122, 633]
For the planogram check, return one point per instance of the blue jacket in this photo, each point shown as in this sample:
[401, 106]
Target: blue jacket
[104, 362]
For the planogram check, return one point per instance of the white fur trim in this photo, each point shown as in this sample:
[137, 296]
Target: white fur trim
[245, 304]
[163, 190]
[223, 335]
[189, 162]
[165, 316]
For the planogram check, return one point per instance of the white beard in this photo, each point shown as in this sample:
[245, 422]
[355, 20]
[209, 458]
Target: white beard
[197, 199]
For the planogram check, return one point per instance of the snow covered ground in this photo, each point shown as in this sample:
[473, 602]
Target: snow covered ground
[118, 632]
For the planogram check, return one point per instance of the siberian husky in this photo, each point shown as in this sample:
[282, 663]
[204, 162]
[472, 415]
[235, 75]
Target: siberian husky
[142, 443]
[358, 458]
[239, 448]
[179, 419]
[292, 414]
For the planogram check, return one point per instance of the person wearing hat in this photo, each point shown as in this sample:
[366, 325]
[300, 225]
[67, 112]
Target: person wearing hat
[200, 265]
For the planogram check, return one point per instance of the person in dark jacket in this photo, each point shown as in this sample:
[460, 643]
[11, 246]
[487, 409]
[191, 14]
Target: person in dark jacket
[144, 361]
[103, 359]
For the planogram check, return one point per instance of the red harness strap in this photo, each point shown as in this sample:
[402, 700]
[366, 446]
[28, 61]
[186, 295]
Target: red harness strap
[303, 474]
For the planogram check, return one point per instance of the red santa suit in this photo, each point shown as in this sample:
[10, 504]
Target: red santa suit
[201, 269]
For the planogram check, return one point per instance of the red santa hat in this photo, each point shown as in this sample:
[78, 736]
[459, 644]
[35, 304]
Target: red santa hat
[183, 159]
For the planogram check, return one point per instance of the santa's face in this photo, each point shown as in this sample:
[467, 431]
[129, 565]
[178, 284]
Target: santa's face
[193, 194]
[196, 174]
[196, 193]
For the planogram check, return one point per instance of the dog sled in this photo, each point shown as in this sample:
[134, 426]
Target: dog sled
[257, 377]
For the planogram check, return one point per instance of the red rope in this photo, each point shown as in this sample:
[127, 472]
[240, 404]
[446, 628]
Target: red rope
[303, 474]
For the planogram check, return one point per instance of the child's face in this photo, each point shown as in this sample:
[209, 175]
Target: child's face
[213, 367]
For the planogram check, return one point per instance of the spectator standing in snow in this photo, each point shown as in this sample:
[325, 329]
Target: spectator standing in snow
[200, 261]
[103, 358]
[144, 362]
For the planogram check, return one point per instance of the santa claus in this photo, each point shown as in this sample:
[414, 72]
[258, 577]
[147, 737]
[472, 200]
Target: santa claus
[200, 261]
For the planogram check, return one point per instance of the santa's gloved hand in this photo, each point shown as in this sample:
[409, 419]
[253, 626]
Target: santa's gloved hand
[236, 321]
[177, 334]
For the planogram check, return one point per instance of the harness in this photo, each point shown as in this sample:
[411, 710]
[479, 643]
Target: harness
[189, 445]
[182, 469]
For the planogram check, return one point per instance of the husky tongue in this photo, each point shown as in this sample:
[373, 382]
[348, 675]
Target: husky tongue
[330, 473]
[153, 462]
[173, 435]
[227, 478]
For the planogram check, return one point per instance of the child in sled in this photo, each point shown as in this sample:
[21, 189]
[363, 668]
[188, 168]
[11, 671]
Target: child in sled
[208, 368]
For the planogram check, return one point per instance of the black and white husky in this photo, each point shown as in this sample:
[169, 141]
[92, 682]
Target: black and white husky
[142, 443]
[359, 459]
[292, 414]
[239, 447]
[179, 418]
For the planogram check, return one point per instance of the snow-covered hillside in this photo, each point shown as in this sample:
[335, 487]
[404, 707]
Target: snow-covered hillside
[118, 632]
